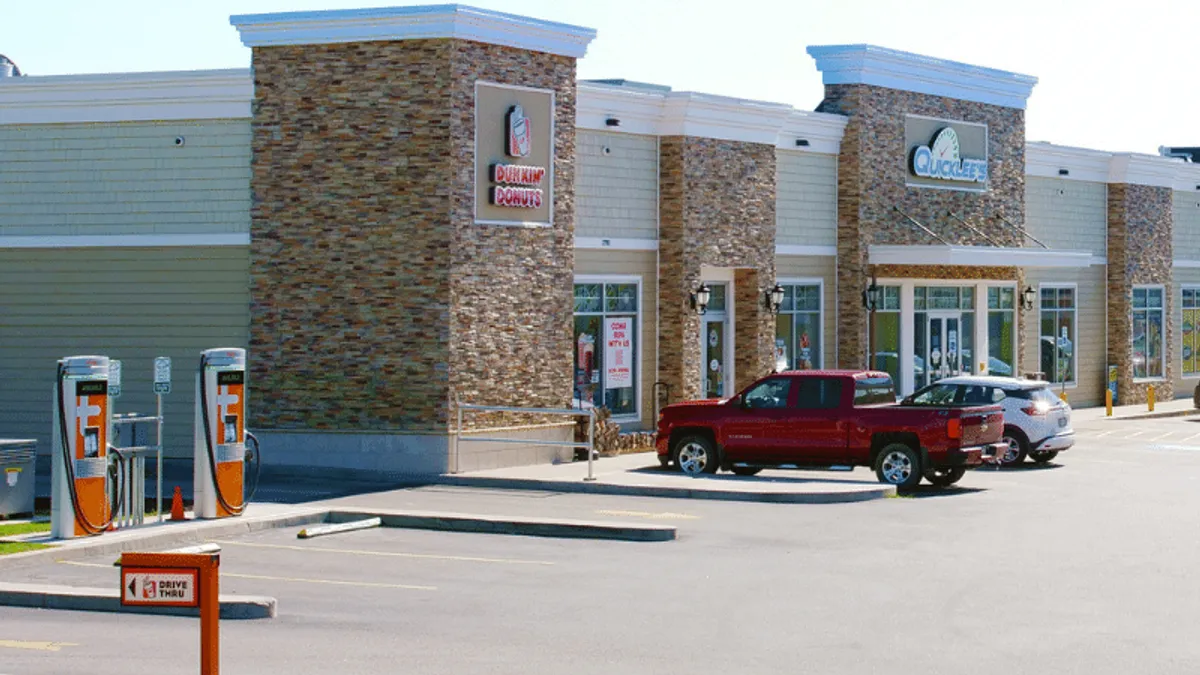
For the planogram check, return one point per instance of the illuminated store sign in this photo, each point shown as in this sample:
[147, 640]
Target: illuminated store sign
[942, 159]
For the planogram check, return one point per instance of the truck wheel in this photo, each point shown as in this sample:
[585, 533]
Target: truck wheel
[1043, 457]
[899, 465]
[945, 477]
[746, 470]
[1018, 447]
[695, 455]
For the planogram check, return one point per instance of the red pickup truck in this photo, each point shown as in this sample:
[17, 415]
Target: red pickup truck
[820, 419]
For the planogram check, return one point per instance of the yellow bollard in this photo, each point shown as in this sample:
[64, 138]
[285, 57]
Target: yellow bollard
[1062, 396]
[1108, 402]
[1150, 397]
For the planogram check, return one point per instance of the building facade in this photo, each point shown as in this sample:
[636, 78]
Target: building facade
[399, 210]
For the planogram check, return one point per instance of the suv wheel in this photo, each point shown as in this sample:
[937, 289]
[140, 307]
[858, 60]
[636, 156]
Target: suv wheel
[1018, 447]
[945, 477]
[899, 465]
[695, 455]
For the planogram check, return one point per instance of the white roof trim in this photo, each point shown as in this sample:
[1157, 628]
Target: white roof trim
[1046, 160]
[412, 23]
[127, 97]
[657, 113]
[1152, 170]
[123, 240]
[977, 256]
[869, 64]
[616, 244]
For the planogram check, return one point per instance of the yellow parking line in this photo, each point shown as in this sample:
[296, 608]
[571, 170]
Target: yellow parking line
[36, 646]
[666, 515]
[388, 554]
[259, 577]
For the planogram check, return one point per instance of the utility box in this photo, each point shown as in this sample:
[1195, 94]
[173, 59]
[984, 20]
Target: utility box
[18, 462]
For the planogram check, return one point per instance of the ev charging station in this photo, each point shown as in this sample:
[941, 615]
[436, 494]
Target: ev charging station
[79, 455]
[220, 434]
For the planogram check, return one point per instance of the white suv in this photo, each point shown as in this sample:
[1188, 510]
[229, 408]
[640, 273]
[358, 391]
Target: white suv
[1037, 423]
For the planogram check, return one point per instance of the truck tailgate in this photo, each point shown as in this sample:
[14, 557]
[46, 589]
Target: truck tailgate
[981, 425]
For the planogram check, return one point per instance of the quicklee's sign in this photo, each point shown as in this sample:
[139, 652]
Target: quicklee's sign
[942, 159]
[946, 154]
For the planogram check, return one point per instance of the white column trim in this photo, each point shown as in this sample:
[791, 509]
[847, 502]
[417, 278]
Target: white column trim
[980, 353]
[907, 336]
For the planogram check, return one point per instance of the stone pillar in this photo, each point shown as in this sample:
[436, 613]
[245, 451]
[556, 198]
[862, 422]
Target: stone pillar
[716, 209]
[1140, 251]
[388, 278]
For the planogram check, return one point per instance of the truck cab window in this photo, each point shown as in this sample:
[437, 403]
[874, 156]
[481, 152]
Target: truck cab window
[770, 394]
[819, 393]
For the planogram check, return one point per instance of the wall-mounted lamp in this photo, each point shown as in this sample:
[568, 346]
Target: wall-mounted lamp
[872, 296]
[701, 297]
[775, 299]
[1064, 172]
[802, 142]
[612, 122]
[1028, 297]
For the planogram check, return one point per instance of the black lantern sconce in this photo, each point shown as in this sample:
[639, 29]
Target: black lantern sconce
[1028, 297]
[701, 297]
[872, 296]
[775, 299]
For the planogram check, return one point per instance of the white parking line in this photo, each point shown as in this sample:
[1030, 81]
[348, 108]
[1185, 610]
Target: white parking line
[1190, 438]
[1159, 438]
[1105, 433]
[1135, 434]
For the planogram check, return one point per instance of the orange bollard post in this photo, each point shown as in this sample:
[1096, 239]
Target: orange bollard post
[177, 505]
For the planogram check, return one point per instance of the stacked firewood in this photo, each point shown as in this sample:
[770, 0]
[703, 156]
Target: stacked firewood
[609, 439]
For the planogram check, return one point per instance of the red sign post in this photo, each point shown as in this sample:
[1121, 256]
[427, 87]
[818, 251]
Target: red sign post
[178, 580]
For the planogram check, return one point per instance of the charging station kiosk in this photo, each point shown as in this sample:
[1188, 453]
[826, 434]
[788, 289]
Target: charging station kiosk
[79, 456]
[220, 434]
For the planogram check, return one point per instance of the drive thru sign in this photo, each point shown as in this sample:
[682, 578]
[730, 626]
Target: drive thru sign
[178, 580]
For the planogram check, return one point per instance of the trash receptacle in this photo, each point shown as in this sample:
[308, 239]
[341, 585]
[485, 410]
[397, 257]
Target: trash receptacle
[18, 461]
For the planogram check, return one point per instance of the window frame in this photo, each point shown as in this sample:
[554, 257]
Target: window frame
[1016, 316]
[639, 348]
[1072, 383]
[1163, 330]
[820, 284]
[1183, 374]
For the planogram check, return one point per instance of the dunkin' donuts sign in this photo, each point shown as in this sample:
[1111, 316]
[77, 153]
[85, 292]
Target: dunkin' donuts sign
[514, 155]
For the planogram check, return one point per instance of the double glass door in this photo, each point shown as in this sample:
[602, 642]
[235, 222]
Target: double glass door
[714, 347]
[943, 346]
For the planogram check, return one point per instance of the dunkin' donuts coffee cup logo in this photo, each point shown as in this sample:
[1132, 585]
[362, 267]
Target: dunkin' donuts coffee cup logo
[520, 133]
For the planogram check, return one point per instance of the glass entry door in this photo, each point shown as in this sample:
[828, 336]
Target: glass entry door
[943, 346]
[714, 347]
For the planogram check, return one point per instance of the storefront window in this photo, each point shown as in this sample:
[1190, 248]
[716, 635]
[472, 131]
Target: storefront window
[1057, 334]
[885, 338]
[606, 347]
[1147, 331]
[798, 341]
[1191, 314]
[1002, 356]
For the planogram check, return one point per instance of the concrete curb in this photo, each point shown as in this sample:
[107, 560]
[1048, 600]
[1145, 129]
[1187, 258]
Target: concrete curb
[534, 527]
[1153, 415]
[45, 596]
[834, 497]
[166, 536]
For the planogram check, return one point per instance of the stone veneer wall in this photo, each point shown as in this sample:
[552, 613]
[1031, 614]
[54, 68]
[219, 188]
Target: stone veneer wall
[1140, 251]
[717, 208]
[374, 296]
[872, 170]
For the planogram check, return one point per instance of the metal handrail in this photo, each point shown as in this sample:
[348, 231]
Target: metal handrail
[571, 412]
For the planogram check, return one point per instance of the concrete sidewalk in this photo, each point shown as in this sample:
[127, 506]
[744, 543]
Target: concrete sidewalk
[1180, 407]
[640, 475]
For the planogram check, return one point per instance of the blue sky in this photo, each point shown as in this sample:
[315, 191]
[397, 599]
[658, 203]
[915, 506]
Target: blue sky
[1111, 76]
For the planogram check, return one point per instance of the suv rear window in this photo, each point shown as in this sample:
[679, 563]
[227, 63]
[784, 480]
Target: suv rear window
[1038, 394]
[874, 390]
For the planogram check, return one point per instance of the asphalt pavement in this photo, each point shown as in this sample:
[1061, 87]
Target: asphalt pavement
[1083, 566]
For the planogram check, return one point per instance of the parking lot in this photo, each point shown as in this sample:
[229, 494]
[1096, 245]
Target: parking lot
[1085, 565]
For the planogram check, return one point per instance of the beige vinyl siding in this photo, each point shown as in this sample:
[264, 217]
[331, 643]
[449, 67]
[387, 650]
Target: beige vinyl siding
[633, 263]
[1186, 228]
[1067, 214]
[824, 268]
[131, 304]
[806, 201]
[1091, 316]
[1184, 385]
[616, 194]
[125, 178]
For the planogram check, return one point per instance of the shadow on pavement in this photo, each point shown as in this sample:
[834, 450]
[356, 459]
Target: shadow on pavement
[931, 491]
[833, 476]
